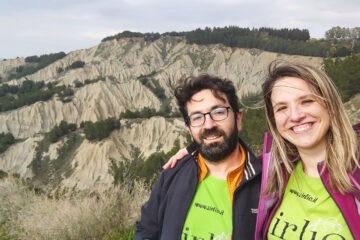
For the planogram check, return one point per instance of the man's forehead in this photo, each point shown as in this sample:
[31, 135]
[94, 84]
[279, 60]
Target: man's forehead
[206, 94]
[205, 100]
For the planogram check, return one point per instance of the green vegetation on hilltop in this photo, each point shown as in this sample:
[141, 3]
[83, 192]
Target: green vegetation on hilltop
[147, 36]
[346, 74]
[35, 63]
[288, 41]
[349, 36]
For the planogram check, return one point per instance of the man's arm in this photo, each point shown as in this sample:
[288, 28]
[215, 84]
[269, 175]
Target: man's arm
[150, 224]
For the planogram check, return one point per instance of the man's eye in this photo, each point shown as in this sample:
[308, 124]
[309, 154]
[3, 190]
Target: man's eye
[219, 111]
[196, 117]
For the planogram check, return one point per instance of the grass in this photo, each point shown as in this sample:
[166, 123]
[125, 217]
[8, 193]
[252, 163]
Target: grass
[120, 233]
[104, 216]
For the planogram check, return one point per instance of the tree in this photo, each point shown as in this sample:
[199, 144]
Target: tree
[5, 141]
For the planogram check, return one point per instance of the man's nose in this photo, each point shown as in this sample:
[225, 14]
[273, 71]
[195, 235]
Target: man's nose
[209, 122]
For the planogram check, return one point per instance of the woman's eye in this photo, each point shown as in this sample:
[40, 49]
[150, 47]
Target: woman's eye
[307, 101]
[279, 109]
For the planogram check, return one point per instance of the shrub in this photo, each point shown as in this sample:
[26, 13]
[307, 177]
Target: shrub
[5, 141]
[100, 129]
[76, 64]
[78, 84]
[61, 130]
[3, 175]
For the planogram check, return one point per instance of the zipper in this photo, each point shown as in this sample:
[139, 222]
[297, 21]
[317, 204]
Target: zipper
[269, 218]
[241, 185]
[189, 200]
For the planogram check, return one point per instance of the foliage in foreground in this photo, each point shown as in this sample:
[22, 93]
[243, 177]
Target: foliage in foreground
[120, 233]
[104, 216]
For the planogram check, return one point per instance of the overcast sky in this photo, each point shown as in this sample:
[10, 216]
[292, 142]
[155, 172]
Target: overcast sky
[35, 27]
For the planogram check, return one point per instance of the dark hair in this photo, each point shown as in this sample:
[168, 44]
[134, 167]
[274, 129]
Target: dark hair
[187, 87]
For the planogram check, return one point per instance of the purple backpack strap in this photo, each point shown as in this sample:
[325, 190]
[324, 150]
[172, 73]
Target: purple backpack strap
[263, 200]
[355, 179]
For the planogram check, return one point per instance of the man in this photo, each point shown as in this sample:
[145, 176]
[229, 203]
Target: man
[212, 193]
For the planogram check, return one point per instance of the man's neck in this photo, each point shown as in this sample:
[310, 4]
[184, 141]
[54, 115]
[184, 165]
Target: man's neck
[221, 168]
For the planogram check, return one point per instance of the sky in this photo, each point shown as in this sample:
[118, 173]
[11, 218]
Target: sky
[39, 27]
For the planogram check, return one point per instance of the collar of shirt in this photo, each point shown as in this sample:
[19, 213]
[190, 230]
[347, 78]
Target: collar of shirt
[233, 178]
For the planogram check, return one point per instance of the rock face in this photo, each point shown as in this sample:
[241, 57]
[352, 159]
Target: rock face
[122, 63]
[353, 109]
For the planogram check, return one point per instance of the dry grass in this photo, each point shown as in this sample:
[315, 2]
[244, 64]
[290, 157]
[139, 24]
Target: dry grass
[30, 216]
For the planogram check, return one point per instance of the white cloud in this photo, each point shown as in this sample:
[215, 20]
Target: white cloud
[40, 26]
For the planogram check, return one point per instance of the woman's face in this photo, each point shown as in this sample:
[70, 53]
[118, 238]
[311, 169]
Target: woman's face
[300, 116]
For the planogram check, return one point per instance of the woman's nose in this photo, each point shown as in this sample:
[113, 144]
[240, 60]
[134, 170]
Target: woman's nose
[296, 114]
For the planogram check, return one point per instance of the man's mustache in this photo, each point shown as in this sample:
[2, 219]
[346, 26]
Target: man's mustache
[212, 131]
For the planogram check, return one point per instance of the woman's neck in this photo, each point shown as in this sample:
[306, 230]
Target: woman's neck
[311, 157]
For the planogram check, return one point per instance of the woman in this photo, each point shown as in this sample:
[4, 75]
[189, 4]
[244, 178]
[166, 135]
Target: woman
[308, 193]
[310, 184]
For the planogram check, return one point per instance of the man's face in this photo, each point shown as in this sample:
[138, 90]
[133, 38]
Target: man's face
[215, 140]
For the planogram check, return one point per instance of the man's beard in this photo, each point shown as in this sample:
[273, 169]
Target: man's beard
[217, 151]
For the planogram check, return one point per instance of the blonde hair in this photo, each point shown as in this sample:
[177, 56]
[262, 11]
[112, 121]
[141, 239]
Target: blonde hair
[342, 144]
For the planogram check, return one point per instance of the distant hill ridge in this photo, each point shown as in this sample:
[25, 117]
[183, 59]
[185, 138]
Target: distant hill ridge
[339, 42]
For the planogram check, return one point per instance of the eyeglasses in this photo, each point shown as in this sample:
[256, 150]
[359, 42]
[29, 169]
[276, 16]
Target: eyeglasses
[217, 114]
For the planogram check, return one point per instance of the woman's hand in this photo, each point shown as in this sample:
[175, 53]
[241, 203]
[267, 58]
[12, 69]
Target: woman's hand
[178, 156]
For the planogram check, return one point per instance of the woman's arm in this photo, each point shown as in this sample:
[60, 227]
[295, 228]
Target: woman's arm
[178, 156]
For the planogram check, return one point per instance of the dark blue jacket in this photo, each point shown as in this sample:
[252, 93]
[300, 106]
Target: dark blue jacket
[163, 216]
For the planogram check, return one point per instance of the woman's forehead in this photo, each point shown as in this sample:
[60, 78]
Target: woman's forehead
[293, 85]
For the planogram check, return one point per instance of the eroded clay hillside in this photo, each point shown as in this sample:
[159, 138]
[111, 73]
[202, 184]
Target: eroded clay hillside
[132, 74]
